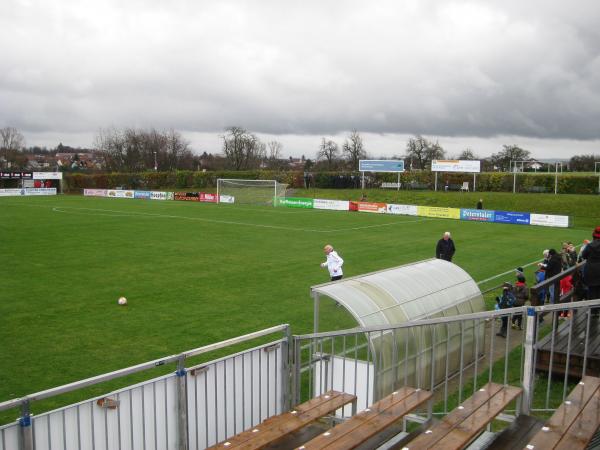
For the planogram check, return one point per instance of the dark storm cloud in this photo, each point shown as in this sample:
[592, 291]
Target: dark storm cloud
[452, 68]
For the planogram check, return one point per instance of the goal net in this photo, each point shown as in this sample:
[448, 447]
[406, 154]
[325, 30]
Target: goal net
[255, 192]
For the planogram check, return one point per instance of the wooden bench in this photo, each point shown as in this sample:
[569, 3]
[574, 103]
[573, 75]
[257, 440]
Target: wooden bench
[575, 422]
[277, 427]
[367, 424]
[457, 429]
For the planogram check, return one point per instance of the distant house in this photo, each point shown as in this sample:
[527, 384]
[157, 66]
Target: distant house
[534, 165]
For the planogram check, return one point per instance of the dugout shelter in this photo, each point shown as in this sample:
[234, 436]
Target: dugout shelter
[428, 289]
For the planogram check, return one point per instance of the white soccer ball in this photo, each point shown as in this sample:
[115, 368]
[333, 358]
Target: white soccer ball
[122, 301]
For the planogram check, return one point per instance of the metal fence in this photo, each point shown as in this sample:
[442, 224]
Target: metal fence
[546, 355]
[193, 408]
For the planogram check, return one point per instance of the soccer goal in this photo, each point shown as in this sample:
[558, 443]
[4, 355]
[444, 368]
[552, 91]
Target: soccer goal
[255, 192]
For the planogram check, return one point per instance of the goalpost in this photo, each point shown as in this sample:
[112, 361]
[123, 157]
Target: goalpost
[254, 192]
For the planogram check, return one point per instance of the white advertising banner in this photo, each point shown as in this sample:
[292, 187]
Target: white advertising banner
[156, 195]
[226, 199]
[406, 210]
[547, 220]
[39, 191]
[336, 205]
[455, 165]
[10, 192]
[47, 175]
[120, 194]
[95, 192]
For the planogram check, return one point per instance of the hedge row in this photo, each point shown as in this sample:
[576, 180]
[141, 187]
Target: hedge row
[489, 182]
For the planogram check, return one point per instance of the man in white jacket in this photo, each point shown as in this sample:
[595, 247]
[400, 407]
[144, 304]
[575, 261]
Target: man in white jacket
[334, 263]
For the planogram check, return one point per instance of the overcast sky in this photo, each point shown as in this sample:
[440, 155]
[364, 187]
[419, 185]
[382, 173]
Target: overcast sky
[470, 74]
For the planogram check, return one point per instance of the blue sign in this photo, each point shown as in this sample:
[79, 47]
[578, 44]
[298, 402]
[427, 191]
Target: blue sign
[142, 194]
[512, 217]
[381, 165]
[479, 215]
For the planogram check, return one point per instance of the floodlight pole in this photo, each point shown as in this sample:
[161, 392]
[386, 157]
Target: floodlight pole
[596, 170]
[556, 176]
[155, 163]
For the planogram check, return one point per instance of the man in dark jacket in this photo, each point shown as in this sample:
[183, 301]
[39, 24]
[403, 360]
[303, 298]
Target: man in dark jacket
[445, 247]
[591, 271]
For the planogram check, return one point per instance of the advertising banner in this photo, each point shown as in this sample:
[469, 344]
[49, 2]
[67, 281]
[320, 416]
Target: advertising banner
[546, 220]
[226, 199]
[295, 202]
[114, 193]
[142, 194]
[187, 196]
[336, 205]
[439, 212]
[455, 165]
[478, 215]
[381, 165]
[157, 195]
[207, 198]
[47, 175]
[406, 210]
[95, 192]
[10, 192]
[16, 175]
[518, 218]
[379, 208]
[39, 191]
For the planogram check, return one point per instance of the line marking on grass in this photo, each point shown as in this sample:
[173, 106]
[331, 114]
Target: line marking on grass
[115, 213]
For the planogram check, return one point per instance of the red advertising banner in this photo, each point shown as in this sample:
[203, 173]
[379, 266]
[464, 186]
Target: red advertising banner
[372, 207]
[208, 198]
[187, 196]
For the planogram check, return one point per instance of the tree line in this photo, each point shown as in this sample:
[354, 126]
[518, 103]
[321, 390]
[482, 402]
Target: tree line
[135, 150]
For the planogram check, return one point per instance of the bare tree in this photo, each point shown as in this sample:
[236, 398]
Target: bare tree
[242, 149]
[328, 151]
[509, 153]
[274, 155]
[467, 155]
[423, 151]
[354, 150]
[11, 143]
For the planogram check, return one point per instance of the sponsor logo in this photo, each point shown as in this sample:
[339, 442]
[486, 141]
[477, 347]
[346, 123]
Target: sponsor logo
[480, 215]
[336, 205]
[187, 196]
[207, 198]
[142, 194]
[295, 202]
[379, 208]
[517, 218]
[407, 210]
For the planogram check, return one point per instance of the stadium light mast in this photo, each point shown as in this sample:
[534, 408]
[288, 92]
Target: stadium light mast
[596, 171]
[155, 163]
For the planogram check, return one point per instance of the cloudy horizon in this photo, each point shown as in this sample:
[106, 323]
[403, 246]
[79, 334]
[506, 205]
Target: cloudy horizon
[468, 74]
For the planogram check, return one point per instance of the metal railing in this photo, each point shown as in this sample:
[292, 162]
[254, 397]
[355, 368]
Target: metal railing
[172, 411]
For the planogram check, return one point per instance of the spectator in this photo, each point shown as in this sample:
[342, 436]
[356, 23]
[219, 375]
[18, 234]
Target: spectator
[566, 285]
[553, 267]
[506, 300]
[480, 204]
[445, 248]
[521, 292]
[583, 246]
[591, 271]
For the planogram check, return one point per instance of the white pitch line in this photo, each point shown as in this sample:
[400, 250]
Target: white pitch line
[115, 213]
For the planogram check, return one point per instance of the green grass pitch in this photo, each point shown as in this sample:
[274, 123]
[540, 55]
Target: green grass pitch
[195, 274]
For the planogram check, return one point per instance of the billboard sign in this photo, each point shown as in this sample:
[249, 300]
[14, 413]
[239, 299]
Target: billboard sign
[158, 195]
[371, 207]
[295, 202]
[517, 218]
[336, 205]
[381, 165]
[477, 215]
[406, 210]
[207, 197]
[47, 175]
[120, 193]
[438, 212]
[455, 165]
[226, 199]
[546, 220]
[95, 192]
[142, 194]
[187, 196]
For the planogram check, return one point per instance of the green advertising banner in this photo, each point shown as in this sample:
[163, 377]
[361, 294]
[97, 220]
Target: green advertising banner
[296, 202]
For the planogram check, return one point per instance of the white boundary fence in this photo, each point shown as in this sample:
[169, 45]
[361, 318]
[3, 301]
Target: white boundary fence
[190, 409]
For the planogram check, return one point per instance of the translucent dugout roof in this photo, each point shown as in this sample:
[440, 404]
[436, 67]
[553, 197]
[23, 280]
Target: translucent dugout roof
[429, 288]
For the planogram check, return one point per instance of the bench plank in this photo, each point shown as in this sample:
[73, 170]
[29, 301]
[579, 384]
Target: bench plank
[582, 431]
[455, 417]
[368, 423]
[476, 422]
[566, 414]
[274, 428]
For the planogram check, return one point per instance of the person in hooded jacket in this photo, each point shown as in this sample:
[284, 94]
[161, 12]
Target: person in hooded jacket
[591, 271]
